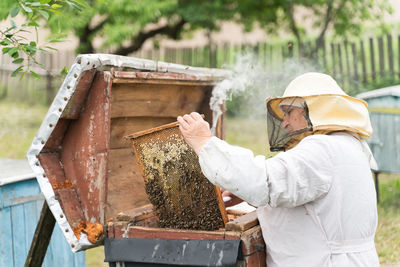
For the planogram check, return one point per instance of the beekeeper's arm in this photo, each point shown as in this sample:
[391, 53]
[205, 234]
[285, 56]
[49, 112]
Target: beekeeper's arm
[289, 179]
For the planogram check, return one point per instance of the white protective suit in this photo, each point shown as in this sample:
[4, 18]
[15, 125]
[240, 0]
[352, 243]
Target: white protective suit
[316, 202]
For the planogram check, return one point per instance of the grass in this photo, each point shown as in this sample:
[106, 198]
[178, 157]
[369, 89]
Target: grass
[19, 123]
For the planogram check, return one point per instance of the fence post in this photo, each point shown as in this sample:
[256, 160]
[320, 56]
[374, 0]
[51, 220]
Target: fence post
[348, 71]
[372, 56]
[333, 59]
[363, 67]
[398, 52]
[355, 65]
[340, 63]
[381, 57]
[49, 77]
[290, 48]
[390, 54]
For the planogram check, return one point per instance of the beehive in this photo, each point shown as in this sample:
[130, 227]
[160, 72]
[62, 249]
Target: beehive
[183, 198]
[86, 169]
[89, 174]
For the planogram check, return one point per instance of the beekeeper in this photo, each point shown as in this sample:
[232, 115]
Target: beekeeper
[316, 200]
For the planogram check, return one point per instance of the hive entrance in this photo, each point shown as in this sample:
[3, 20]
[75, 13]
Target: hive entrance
[182, 197]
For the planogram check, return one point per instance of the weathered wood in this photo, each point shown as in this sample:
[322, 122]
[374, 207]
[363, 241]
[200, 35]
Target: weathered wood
[355, 63]
[144, 232]
[53, 144]
[85, 149]
[158, 100]
[41, 238]
[333, 59]
[398, 54]
[121, 127]
[125, 183]
[372, 57]
[136, 214]
[390, 54]
[381, 57]
[347, 59]
[243, 223]
[257, 259]
[74, 106]
[339, 48]
[363, 65]
[324, 54]
[252, 241]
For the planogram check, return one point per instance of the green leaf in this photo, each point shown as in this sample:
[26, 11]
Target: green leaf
[5, 42]
[51, 48]
[45, 1]
[35, 4]
[27, 9]
[33, 24]
[5, 50]
[81, 3]
[13, 24]
[34, 74]
[64, 71]
[14, 12]
[32, 43]
[73, 5]
[18, 60]
[9, 29]
[57, 40]
[55, 12]
[15, 55]
[12, 51]
[56, 6]
[15, 72]
[44, 14]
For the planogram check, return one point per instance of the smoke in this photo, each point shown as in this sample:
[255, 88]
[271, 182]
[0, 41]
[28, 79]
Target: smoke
[252, 83]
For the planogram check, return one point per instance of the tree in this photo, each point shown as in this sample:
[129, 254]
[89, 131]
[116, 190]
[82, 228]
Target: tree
[12, 39]
[344, 17]
[124, 26]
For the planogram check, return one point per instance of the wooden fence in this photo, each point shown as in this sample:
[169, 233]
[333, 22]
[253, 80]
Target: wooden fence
[357, 65]
[29, 89]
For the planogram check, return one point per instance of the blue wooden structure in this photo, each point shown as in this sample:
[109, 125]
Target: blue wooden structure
[20, 205]
[384, 107]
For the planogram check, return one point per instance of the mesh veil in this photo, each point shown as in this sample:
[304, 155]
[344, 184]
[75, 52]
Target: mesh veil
[280, 138]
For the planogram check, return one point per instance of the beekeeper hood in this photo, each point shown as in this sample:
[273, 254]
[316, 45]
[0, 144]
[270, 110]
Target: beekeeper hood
[327, 108]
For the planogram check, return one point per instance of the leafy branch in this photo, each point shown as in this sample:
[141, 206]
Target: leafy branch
[17, 46]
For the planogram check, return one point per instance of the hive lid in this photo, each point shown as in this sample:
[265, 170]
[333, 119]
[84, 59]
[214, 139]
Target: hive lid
[14, 170]
[83, 104]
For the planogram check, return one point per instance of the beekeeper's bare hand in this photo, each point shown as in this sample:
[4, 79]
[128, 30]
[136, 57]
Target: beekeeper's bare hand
[195, 130]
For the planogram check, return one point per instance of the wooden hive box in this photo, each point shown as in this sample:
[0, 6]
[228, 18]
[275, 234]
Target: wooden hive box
[85, 168]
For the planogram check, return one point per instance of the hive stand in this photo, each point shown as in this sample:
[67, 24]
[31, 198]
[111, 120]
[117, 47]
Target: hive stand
[41, 238]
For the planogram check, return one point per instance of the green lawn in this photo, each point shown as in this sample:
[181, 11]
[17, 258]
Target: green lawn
[19, 124]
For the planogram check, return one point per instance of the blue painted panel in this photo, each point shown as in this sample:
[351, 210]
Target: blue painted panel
[21, 192]
[6, 246]
[20, 207]
[388, 101]
[385, 141]
[18, 232]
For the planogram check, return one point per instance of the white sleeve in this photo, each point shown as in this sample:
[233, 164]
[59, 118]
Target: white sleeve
[301, 174]
[235, 169]
[289, 179]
